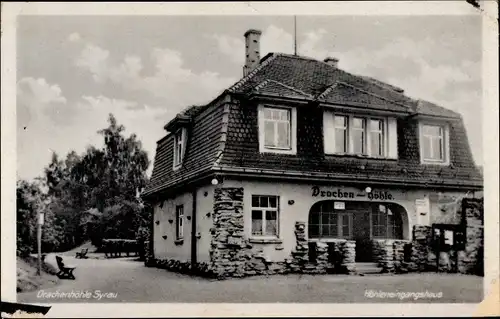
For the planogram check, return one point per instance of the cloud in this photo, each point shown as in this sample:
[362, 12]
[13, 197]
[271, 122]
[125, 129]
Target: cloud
[273, 39]
[171, 81]
[74, 37]
[37, 98]
[230, 46]
[94, 59]
[40, 136]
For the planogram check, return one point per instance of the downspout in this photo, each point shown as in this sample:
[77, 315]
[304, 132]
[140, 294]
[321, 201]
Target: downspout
[194, 238]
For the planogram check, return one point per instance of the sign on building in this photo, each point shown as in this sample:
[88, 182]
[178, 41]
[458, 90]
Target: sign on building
[339, 205]
[423, 210]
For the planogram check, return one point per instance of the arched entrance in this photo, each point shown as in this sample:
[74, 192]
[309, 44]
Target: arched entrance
[359, 221]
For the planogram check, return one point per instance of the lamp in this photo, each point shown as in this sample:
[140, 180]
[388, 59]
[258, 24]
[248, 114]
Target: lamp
[217, 180]
[368, 189]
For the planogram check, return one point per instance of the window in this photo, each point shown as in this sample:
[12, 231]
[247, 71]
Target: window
[386, 223]
[326, 222]
[179, 224]
[277, 129]
[265, 215]
[433, 143]
[377, 137]
[179, 145]
[356, 135]
[341, 133]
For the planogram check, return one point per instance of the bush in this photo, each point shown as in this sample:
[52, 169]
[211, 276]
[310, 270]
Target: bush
[115, 247]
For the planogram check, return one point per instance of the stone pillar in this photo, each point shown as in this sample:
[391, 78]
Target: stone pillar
[420, 248]
[349, 256]
[399, 256]
[387, 259]
[472, 259]
[227, 245]
[300, 253]
[321, 264]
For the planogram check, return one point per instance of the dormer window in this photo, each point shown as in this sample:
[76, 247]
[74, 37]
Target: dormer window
[366, 136]
[179, 146]
[434, 143]
[277, 129]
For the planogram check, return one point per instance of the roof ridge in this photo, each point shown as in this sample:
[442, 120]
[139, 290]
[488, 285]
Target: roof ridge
[289, 87]
[245, 79]
[383, 85]
[261, 84]
[326, 91]
[374, 94]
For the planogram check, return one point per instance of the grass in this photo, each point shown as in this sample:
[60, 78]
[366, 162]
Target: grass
[27, 278]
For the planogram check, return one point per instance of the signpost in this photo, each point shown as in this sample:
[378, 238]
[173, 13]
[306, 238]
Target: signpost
[39, 242]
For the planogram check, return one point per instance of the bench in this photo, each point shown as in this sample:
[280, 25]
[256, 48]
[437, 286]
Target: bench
[82, 254]
[65, 271]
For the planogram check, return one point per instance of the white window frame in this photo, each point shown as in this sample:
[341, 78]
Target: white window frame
[444, 128]
[352, 129]
[179, 141]
[293, 130]
[263, 211]
[383, 132]
[179, 221]
[366, 135]
[344, 128]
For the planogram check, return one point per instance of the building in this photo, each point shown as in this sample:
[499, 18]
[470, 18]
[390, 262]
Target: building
[297, 158]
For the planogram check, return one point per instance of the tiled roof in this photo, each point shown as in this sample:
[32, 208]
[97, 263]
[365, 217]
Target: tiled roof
[227, 137]
[277, 89]
[201, 151]
[428, 108]
[343, 93]
[313, 77]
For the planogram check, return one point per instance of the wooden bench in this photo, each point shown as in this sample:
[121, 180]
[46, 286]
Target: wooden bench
[82, 254]
[65, 271]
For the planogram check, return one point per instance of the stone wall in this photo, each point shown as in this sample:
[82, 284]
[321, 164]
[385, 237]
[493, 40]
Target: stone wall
[300, 255]
[389, 254]
[227, 252]
[467, 261]
[420, 248]
[471, 261]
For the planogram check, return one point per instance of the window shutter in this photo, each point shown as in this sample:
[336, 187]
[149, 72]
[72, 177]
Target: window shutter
[328, 132]
[392, 138]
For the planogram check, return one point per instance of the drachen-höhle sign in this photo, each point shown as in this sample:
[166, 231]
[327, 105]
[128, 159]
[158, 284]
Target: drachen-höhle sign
[339, 193]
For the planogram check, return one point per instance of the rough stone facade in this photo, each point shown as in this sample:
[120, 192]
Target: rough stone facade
[300, 255]
[389, 254]
[420, 248]
[227, 252]
[471, 260]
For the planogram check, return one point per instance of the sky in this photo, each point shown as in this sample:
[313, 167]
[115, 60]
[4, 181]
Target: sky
[72, 71]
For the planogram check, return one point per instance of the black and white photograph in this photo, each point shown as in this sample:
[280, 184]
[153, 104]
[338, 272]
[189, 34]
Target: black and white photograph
[251, 158]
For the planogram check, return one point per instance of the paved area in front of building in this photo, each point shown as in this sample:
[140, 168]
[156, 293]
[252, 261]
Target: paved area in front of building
[126, 280]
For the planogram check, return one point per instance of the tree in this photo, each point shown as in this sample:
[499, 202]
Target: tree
[94, 195]
[31, 201]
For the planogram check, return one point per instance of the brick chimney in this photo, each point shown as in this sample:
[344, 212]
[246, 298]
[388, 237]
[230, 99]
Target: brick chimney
[252, 50]
[332, 61]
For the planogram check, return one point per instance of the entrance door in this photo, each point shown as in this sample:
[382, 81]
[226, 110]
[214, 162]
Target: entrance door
[345, 225]
[362, 233]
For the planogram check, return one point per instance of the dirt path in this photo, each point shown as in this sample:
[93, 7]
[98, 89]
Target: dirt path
[126, 280]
